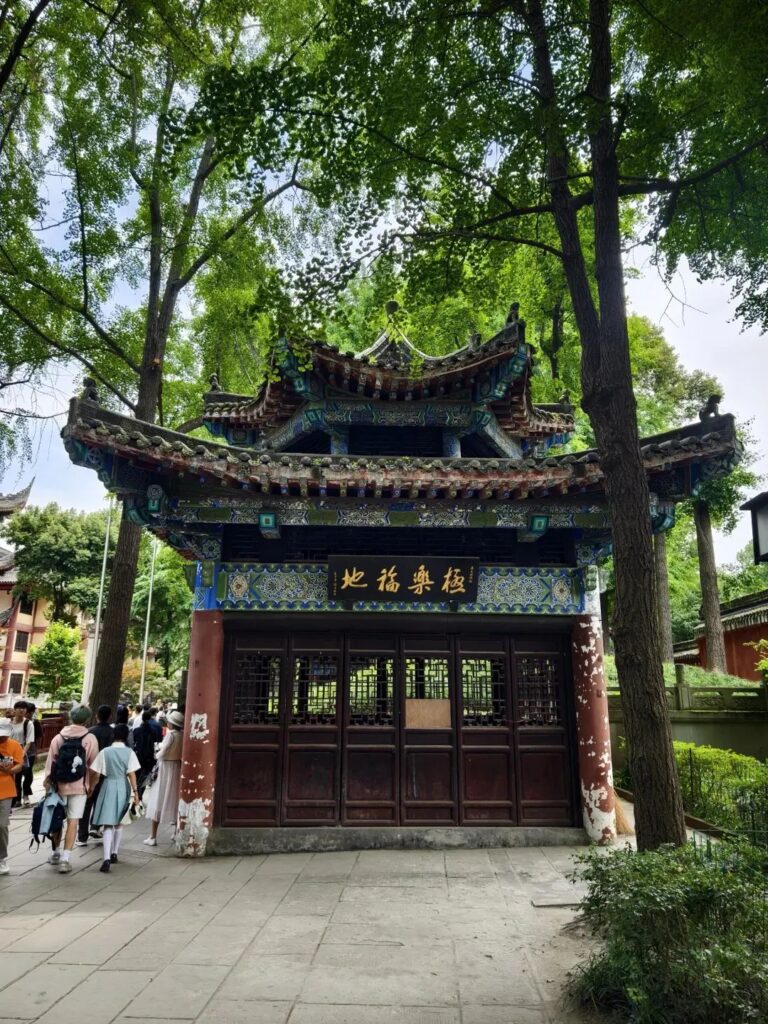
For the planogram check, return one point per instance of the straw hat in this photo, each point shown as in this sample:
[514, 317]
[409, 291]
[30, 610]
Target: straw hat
[176, 719]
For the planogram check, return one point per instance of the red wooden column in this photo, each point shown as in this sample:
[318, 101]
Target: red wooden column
[593, 733]
[201, 733]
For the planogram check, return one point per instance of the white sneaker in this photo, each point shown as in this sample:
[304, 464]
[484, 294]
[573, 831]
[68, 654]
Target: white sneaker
[27, 802]
[65, 867]
[150, 842]
[55, 858]
[4, 869]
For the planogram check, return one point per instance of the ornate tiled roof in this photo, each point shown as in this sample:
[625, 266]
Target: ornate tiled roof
[10, 503]
[93, 433]
[494, 375]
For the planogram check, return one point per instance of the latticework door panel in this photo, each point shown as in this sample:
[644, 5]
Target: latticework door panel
[315, 689]
[483, 691]
[539, 696]
[257, 688]
[371, 690]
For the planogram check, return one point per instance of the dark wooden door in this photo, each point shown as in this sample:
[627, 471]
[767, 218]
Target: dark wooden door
[487, 779]
[396, 728]
[428, 733]
[253, 741]
[312, 756]
[544, 726]
[370, 768]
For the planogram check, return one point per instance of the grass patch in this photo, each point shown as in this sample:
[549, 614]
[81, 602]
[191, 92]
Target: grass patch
[694, 676]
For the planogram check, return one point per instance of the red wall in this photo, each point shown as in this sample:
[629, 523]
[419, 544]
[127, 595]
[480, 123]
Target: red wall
[739, 659]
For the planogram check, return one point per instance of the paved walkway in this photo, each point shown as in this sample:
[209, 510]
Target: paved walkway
[416, 937]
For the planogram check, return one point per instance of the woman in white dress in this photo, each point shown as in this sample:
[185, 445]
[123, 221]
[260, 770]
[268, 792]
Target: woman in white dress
[163, 803]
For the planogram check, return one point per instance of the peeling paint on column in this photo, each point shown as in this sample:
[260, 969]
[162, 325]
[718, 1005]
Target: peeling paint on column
[194, 825]
[198, 767]
[198, 727]
[592, 729]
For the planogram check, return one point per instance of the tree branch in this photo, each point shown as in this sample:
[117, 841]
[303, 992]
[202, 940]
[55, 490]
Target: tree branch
[210, 251]
[58, 346]
[72, 307]
[20, 42]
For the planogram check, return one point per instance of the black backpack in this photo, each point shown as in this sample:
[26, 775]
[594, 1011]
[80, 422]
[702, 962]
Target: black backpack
[70, 765]
[38, 731]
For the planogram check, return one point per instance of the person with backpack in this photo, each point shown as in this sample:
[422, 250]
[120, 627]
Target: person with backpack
[71, 754]
[104, 734]
[37, 741]
[24, 734]
[144, 746]
[11, 759]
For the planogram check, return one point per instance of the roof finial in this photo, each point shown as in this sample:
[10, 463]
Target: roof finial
[89, 392]
[214, 379]
[513, 315]
[711, 408]
[391, 307]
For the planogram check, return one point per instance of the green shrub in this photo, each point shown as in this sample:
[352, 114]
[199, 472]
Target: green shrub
[684, 935]
[724, 788]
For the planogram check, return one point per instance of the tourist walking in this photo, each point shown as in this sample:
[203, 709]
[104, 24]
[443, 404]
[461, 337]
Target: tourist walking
[104, 736]
[144, 741]
[117, 764]
[23, 732]
[11, 760]
[163, 803]
[71, 754]
[27, 772]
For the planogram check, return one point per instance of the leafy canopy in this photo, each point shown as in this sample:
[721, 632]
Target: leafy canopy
[58, 556]
[57, 663]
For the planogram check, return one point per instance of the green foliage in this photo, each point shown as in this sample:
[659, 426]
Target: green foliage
[169, 624]
[725, 789]
[694, 675]
[58, 663]
[58, 556]
[683, 932]
[743, 577]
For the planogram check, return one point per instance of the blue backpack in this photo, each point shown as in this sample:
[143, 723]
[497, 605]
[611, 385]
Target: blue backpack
[48, 818]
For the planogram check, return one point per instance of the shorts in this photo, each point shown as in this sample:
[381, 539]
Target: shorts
[75, 806]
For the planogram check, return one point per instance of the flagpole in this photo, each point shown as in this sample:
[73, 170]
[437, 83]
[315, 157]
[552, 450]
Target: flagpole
[88, 682]
[146, 625]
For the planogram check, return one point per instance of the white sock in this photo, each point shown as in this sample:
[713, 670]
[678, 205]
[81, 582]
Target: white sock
[106, 840]
[116, 839]
[65, 855]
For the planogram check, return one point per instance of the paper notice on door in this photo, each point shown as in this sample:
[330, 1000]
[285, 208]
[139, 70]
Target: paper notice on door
[427, 714]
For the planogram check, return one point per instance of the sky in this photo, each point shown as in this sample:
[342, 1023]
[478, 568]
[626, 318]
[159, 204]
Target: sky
[698, 320]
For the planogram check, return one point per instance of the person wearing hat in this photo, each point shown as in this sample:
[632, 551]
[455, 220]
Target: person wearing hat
[163, 803]
[11, 761]
[70, 756]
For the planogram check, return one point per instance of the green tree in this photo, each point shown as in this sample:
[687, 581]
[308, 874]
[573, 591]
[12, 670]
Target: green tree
[169, 624]
[58, 663]
[743, 577]
[58, 557]
[98, 275]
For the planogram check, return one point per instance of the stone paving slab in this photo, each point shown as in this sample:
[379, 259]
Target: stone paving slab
[369, 937]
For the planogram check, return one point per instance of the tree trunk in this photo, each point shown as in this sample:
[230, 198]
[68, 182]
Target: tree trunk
[662, 593]
[108, 674]
[609, 401]
[710, 597]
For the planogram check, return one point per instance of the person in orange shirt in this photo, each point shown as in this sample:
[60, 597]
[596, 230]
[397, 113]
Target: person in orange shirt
[11, 761]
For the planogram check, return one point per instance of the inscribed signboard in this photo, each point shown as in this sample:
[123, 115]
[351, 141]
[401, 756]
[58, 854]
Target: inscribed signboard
[402, 578]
